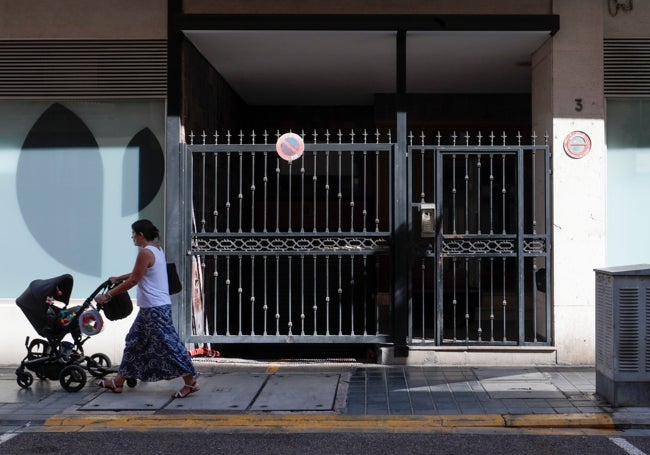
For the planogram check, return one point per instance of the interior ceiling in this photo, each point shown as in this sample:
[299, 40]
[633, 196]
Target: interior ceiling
[349, 67]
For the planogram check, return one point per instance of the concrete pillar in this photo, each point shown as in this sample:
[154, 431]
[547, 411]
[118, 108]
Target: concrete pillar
[568, 96]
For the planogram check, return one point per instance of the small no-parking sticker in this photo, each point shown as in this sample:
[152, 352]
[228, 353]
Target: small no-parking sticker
[577, 144]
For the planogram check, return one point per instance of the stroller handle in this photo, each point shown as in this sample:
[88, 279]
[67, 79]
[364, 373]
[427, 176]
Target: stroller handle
[105, 285]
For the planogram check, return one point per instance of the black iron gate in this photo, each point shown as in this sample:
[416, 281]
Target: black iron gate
[289, 251]
[481, 242]
[300, 251]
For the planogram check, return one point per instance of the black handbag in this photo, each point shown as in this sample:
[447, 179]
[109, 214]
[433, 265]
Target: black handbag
[173, 279]
[118, 307]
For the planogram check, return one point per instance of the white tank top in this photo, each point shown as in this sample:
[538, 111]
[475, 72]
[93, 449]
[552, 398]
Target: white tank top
[153, 288]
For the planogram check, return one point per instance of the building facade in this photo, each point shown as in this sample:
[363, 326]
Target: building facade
[465, 168]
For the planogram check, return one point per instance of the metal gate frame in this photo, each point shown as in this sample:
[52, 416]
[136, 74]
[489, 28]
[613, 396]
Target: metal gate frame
[526, 243]
[404, 249]
[237, 244]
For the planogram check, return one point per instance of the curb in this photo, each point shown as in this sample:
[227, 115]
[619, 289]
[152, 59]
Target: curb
[319, 423]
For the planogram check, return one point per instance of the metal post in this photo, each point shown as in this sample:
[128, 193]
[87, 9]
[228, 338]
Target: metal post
[400, 269]
[175, 232]
[174, 211]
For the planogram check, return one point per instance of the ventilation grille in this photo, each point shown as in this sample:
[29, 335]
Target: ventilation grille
[628, 348]
[604, 323]
[83, 69]
[627, 67]
[646, 330]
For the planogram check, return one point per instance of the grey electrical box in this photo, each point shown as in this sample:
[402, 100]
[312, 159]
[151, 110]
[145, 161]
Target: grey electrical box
[622, 334]
[427, 220]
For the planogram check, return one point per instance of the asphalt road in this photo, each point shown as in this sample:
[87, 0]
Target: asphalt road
[439, 443]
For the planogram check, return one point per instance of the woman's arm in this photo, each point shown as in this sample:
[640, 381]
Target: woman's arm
[144, 260]
[117, 279]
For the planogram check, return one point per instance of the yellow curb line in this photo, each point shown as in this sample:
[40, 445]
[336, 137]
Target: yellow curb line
[315, 423]
[587, 420]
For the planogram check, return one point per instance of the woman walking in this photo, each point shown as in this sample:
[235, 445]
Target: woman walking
[153, 349]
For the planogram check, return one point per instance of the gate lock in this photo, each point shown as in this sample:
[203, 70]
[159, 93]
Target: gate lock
[427, 219]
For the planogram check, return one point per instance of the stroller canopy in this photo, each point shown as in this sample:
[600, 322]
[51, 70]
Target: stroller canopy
[33, 302]
[60, 288]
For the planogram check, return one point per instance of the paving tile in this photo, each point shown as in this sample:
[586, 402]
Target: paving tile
[298, 392]
[565, 410]
[545, 410]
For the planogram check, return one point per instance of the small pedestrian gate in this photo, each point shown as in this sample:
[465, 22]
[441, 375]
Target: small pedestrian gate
[306, 251]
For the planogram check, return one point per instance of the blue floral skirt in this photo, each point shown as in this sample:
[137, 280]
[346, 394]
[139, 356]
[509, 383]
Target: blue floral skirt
[153, 349]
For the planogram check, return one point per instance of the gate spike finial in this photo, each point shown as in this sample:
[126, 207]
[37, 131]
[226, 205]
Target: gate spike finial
[352, 136]
[228, 136]
[266, 137]
[503, 136]
[377, 134]
[365, 136]
[327, 136]
[216, 137]
[453, 138]
[277, 135]
[467, 137]
[479, 136]
[315, 134]
[302, 134]
[340, 135]
[390, 136]
[191, 137]
[546, 138]
[534, 137]
[439, 138]
[203, 135]
[241, 137]
[422, 136]
[253, 136]
[492, 136]
[411, 138]
[519, 138]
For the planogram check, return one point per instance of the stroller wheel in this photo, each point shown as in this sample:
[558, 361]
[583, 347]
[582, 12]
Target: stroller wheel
[131, 382]
[24, 379]
[98, 365]
[72, 378]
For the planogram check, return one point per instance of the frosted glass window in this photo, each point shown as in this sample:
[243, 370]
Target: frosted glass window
[74, 175]
[628, 181]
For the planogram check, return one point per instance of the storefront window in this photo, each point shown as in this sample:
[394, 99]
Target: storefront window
[628, 181]
[74, 175]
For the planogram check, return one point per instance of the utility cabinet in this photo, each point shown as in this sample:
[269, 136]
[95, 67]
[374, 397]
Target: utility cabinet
[622, 334]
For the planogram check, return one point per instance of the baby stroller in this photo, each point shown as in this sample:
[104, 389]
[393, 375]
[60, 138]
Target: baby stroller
[45, 304]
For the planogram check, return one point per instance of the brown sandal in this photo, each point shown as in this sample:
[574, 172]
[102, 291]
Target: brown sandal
[194, 387]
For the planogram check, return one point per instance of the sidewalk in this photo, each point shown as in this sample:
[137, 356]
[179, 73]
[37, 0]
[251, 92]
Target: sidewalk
[322, 396]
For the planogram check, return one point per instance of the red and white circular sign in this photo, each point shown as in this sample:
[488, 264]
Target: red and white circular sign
[577, 144]
[290, 146]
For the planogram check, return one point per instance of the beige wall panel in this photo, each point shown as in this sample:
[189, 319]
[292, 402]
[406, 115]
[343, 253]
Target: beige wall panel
[83, 19]
[628, 24]
[578, 184]
[573, 83]
[368, 6]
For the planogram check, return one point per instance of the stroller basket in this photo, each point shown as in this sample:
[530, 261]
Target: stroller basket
[119, 307]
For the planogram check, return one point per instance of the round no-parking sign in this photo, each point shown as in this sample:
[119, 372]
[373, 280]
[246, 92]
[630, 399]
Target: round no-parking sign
[577, 144]
[290, 146]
